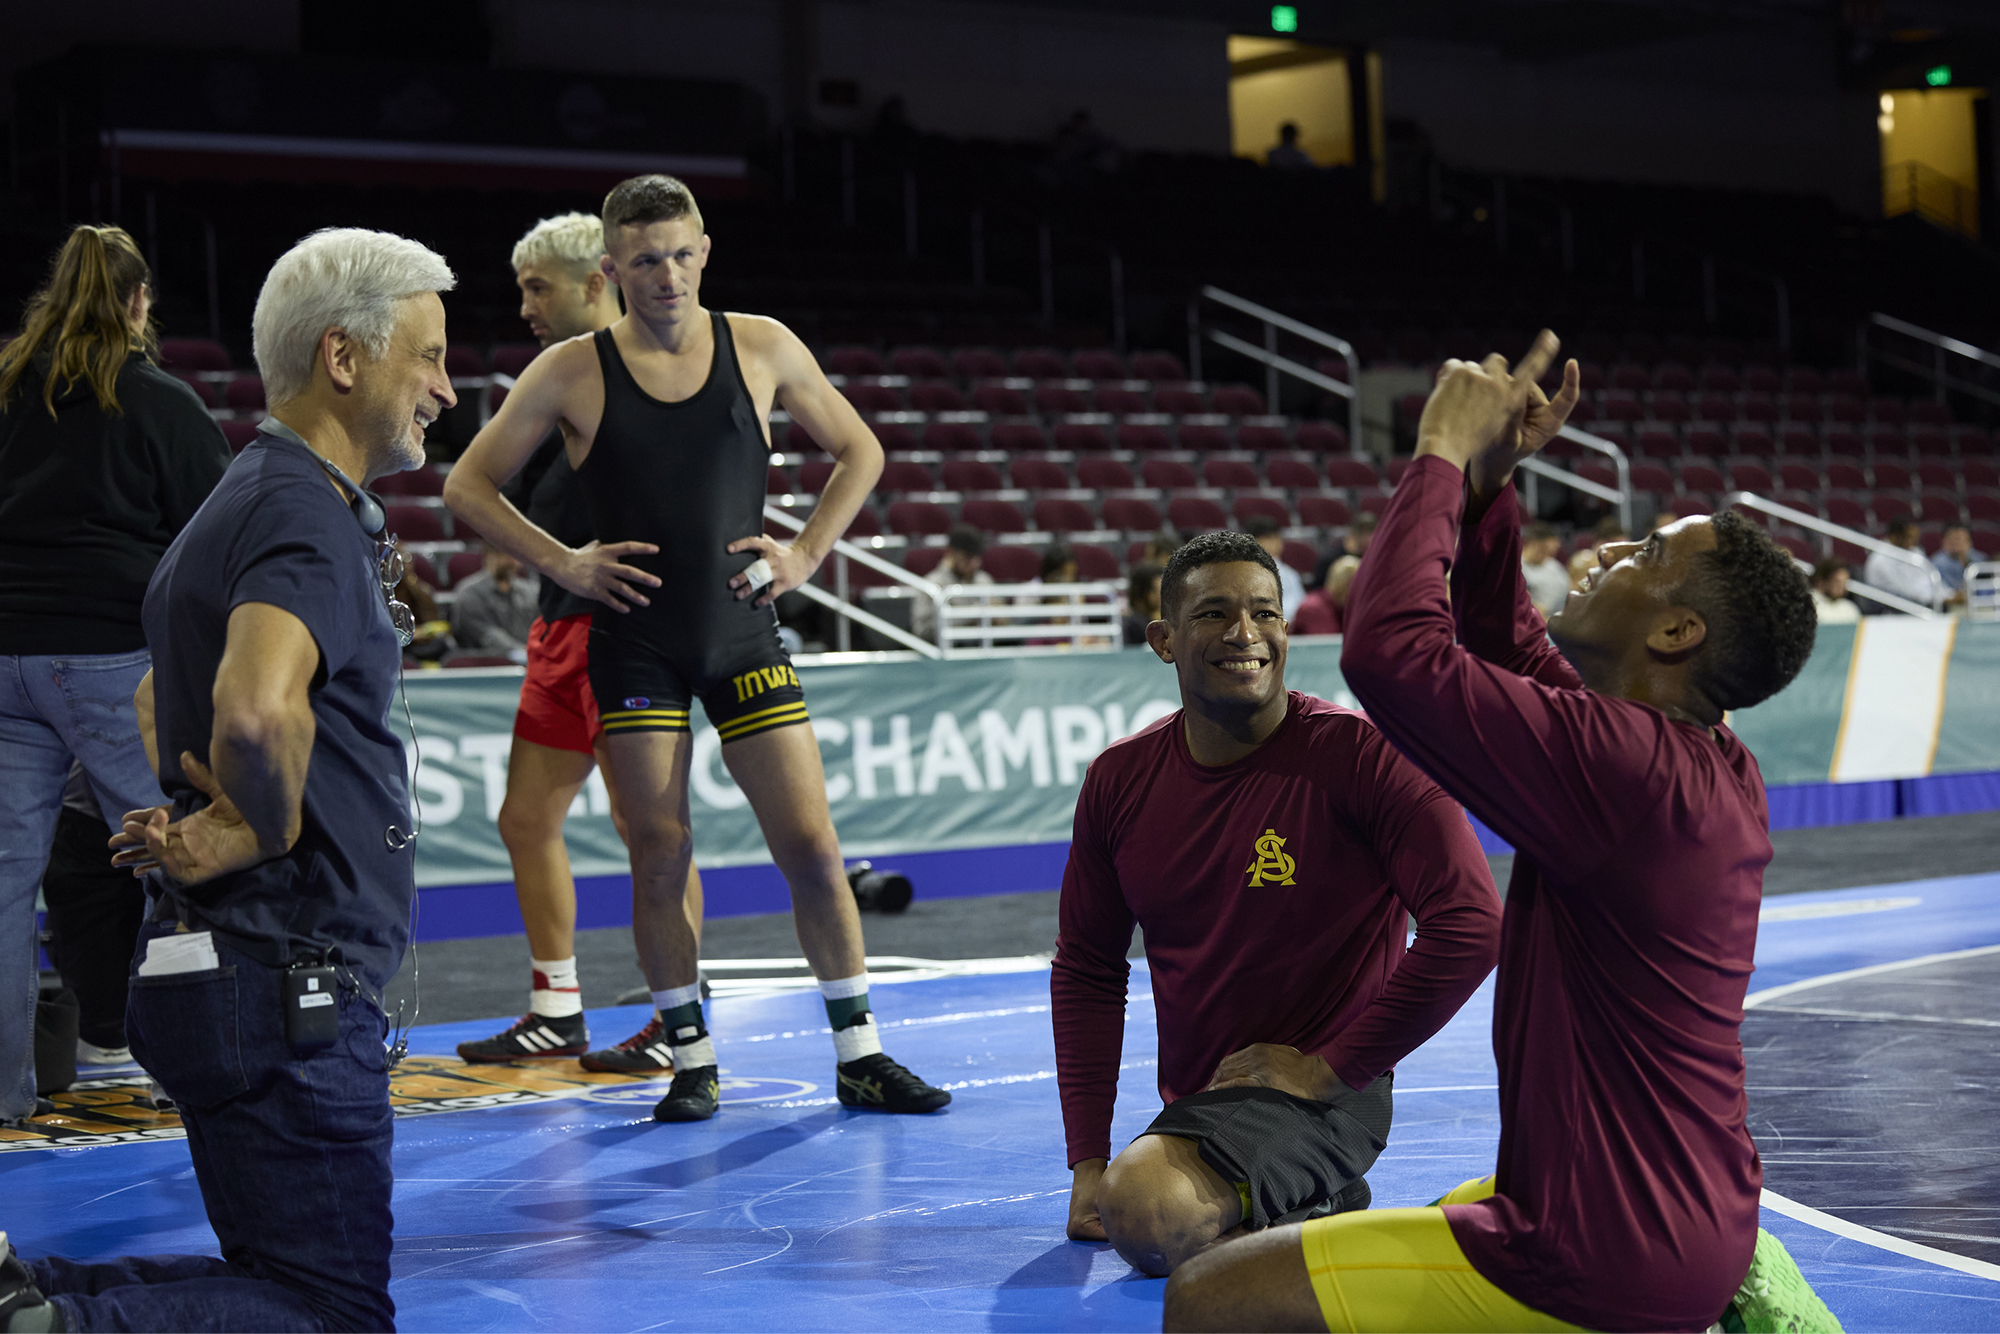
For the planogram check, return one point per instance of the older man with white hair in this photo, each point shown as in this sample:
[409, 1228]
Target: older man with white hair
[281, 874]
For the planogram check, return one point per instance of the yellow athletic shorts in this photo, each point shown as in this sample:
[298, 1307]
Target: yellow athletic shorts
[1401, 1269]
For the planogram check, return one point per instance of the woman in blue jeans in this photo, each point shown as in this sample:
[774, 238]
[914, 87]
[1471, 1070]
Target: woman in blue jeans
[104, 457]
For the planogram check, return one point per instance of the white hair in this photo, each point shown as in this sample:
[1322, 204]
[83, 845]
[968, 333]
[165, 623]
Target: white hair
[574, 240]
[340, 278]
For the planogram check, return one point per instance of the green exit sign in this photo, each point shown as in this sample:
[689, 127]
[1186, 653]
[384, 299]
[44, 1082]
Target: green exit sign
[1938, 76]
[1284, 18]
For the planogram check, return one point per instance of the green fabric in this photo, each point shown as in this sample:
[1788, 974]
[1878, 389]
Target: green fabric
[846, 1012]
[677, 1017]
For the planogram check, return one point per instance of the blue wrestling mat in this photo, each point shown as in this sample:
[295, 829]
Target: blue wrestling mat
[538, 1197]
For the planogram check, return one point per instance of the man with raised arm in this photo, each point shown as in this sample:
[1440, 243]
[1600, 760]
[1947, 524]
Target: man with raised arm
[1272, 846]
[1626, 1192]
[666, 418]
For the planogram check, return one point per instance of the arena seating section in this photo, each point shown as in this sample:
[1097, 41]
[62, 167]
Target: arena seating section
[1102, 451]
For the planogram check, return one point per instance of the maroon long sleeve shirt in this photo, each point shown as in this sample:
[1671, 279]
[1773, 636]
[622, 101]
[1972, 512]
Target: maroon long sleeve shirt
[1274, 894]
[1627, 1182]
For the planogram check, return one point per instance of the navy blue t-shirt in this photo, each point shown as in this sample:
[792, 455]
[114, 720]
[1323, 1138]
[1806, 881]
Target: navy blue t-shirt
[276, 530]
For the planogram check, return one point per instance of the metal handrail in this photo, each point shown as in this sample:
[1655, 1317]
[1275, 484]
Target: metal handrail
[1273, 321]
[1982, 591]
[1813, 523]
[1942, 346]
[1621, 497]
[848, 551]
[1085, 617]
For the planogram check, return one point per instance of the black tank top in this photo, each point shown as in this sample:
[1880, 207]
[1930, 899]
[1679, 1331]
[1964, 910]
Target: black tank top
[688, 476]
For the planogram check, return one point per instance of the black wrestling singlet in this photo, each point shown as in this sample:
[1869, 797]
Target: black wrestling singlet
[689, 477]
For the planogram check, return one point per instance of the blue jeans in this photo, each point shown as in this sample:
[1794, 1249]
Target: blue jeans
[291, 1153]
[53, 710]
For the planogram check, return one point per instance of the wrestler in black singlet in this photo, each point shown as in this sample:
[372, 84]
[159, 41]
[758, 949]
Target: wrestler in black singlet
[547, 492]
[688, 477]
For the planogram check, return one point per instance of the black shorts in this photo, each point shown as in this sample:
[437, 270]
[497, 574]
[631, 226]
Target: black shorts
[1286, 1155]
[641, 687]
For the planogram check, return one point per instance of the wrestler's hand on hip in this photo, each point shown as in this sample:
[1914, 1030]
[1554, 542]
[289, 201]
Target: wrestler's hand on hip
[1273, 1065]
[1084, 1179]
[211, 842]
[790, 567]
[598, 571]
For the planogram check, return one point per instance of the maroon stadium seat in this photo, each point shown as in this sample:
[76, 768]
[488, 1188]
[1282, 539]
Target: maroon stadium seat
[512, 358]
[1658, 441]
[919, 363]
[866, 523]
[417, 523]
[900, 475]
[813, 475]
[1849, 408]
[1938, 471]
[1802, 408]
[1887, 507]
[1750, 438]
[1299, 555]
[1702, 477]
[1134, 514]
[424, 481]
[1983, 506]
[869, 398]
[1652, 479]
[245, 394]
[1979, 472]
[238, 434]
[1118, 399]
[1843, 475]
[1157, 366]
[1168, 474]
[1059, 514]
[1237, 400]
[1348, 471]
[462, 565]
[1673, 375]
[204, 390]
[1887, 410]
[1798, 546]
[1196, 512]
[1262, 437]
[1759, 379]
[1205, 436]
[1622, 405]
[1103, 474]
[1093, 563]
[1272, 507]
[1292, 471]
[1041, 363]
[1000, 400]
[1012, 565]
[978, 363]
[1601, 473]
[1970, 439]
[421, 566]
[1231, 473]
[193, 354]
[461, 361]
[1099, 363]
[1142, 436]
[1058, 398]
[1718, 379]
[1757, 408]
[1324, 437]
[922, 560]
[1750, 477]
[1938, 507]
[1891, 475]
[1040, 475]
[951, 437]
[1631, 376]
[895, 437]
[1843, 443]
[972, 475]
[1182, 400]
[1798, 438]
[993, 516]
[918, 518]
[853, 361]
[1078, 437]
[936, 396]
[1704, 438]
[777, 481]
[1322, 511]
[1018, 436]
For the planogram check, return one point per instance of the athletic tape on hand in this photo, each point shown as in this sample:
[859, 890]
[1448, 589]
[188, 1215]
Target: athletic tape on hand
[759, 572]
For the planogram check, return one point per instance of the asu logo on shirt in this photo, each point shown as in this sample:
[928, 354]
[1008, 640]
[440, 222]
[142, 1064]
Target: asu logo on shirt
[1270, 864]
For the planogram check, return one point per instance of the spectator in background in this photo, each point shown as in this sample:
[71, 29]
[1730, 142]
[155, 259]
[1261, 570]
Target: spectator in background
[1142, 602]
[1829, 593]
[1058, 564]
[95, 911]
[433, 639]
[1291, 588]
[1288, 156]
[964, 553]
[1910, 580]
[492, 610]
[1360, 532]
[1546, 577]
[1324, 612]
[1952, 558]
[1160, 548]
[104, 458]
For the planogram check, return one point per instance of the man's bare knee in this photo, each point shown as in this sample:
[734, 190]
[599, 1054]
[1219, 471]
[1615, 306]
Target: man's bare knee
[1154, 1221]
[659, 845]
[524, 824]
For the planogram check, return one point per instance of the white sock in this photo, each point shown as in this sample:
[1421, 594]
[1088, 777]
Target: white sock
[556, 992]
[664, 1001]
[692, 1055]
[856, 1041]
[844, 988]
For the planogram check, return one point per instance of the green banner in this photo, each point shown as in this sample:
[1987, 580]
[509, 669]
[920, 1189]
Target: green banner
[982, 753]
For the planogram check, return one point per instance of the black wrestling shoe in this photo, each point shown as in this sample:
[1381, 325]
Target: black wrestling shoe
[644, 1053]
[693, 1096]
[17, 1290]
[531, 1035]
[878, 1082]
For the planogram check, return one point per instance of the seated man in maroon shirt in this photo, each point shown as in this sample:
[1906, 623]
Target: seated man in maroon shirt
[1272, 846]
[1627, 1186]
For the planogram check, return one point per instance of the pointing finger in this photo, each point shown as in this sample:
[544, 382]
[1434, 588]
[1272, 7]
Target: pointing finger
[1541, 355]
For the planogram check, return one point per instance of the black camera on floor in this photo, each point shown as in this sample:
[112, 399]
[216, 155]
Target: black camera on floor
[879, 891]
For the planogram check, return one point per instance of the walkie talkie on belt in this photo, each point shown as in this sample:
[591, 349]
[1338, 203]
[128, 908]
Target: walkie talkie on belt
[312, 1015]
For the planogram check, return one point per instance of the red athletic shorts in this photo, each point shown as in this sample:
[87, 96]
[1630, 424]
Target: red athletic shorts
[558, 709]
